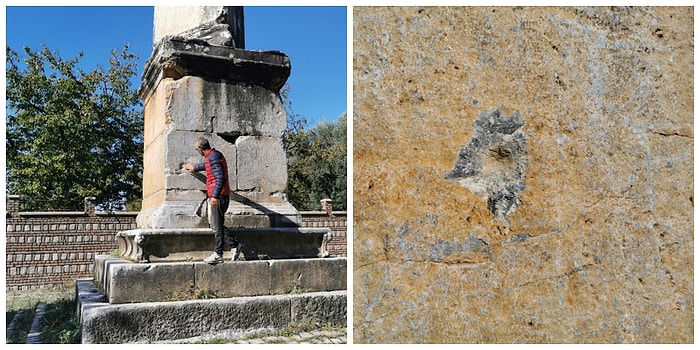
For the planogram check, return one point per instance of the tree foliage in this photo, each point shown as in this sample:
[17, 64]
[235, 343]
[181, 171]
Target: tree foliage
[71, 133]
[317, 161]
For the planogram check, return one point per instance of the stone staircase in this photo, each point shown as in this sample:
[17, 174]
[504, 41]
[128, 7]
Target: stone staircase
[134, 303]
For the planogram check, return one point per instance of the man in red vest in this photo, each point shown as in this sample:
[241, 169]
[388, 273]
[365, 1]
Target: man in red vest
[218, 192]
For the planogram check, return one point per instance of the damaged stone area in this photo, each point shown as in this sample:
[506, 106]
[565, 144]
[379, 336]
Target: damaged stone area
[589, 237]
[494, 161]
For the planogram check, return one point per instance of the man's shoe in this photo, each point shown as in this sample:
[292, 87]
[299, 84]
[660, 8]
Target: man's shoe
[214, 259]
[237, 253]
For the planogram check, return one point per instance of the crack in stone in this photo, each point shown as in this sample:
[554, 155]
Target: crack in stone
[674, 133]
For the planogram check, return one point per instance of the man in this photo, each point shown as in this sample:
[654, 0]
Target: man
[218, 192]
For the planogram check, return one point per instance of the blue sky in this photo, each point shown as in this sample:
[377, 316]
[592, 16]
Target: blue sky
[314, 38]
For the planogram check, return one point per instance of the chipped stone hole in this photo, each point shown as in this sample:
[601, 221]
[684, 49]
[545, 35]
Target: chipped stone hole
[493, 162]
[232, 137]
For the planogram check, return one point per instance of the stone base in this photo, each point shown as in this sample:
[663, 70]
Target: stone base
[122, 281]
[176, 214]
[170, 245]
[161, 321]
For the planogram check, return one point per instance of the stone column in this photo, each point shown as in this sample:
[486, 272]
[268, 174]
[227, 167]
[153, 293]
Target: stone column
[198, 83]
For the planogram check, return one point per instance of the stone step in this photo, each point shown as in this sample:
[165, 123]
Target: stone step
[123, 281]
[10, 330]
[33, 337]
[102, 322]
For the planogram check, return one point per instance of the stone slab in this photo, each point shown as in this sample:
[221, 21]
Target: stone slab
[103, 323]
[122, 281]
[175, 58]
[170, 245]
[288, 276]
[234, 108]
[600, 247]
[262, 164]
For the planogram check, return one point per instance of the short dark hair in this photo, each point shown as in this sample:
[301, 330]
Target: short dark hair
[203, 143]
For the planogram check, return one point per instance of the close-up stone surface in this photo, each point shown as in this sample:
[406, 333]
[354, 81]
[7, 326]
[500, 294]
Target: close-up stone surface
[571, 221]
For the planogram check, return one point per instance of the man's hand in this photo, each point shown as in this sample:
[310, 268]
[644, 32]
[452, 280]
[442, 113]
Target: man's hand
[214, 202]
[189, 167]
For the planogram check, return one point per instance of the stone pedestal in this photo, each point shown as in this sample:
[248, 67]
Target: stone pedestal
[230, 96]
[198, 83]
[170, 245]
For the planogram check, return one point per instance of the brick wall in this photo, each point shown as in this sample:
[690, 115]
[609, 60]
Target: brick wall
[54, 248]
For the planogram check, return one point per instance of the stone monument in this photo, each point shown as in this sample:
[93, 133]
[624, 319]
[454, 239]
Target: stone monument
[200, 81]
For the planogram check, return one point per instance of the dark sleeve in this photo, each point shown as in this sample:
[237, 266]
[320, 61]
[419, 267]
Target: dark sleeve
[217, 170]
[199, 167]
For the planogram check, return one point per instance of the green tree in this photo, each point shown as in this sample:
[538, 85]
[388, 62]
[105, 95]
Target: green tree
[317, 160]
[71, 133]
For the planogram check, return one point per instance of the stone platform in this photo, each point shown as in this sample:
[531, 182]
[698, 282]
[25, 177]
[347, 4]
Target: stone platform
[159, 321]
[129, 302]
[122, 281]
[195, 244]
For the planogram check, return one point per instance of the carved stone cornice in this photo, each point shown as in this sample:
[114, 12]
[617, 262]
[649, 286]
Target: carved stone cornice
[175, 57]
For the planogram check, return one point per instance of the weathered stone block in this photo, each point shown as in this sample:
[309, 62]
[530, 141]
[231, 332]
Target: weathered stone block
[320, 308]
[152, 322]
[245, 109]
[234, 279]
[181, 148]
[593, 240]
[149, 322]
[178, 244]
[153, 174]
[262, 164]
[230, 108]
[149, 282]
[303, 275]
[122, 281]
[172, 215]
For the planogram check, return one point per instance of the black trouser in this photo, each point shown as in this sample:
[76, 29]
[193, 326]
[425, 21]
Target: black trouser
[216, 221]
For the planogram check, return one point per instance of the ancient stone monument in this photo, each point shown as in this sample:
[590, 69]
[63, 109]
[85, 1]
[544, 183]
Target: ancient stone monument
[523, 175]
[200, 81]
[197, 83]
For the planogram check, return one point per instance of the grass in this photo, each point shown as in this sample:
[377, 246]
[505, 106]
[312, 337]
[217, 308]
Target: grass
[29, 299]
[59, 324]
[22, 326]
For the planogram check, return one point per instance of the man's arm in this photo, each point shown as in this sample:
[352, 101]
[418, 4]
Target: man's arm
[196, 167]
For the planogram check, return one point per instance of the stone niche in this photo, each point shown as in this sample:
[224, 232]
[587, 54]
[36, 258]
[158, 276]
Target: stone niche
[523, 175]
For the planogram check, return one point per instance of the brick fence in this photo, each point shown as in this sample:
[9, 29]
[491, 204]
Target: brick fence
[46, 249]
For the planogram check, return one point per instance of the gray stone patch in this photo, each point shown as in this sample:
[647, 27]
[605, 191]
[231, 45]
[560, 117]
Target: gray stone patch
[494, 161]
[473, 249]
[519, 238]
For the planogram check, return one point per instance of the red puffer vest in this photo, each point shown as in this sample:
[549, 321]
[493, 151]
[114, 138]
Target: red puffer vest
[217, 174]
